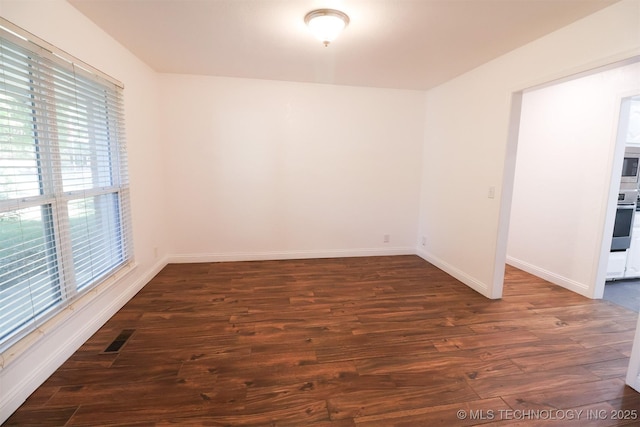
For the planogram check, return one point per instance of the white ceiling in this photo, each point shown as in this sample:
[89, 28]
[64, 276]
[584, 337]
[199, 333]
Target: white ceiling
[408, 44]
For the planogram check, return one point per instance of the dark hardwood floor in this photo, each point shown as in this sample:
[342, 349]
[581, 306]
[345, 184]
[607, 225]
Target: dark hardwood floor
[379, 341]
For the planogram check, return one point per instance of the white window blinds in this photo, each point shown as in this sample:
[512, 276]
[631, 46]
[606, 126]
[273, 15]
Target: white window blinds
[64, 209]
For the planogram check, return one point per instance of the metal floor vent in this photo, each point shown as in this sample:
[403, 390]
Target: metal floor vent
[120, 340]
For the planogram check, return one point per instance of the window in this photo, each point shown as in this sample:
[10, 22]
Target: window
[64, 207]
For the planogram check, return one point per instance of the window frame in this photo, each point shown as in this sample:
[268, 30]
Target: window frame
[57, 229]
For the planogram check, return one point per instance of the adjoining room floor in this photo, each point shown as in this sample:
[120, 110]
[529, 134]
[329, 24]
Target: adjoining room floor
[624, 292]
[376, 341]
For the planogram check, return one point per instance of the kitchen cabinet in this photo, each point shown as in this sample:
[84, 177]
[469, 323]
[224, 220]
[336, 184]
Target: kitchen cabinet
[632, 267]
[617, 265]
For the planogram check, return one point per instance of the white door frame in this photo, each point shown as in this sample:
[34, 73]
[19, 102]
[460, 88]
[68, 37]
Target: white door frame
[633, 370]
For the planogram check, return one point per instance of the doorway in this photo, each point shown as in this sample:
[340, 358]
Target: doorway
[623, 268]
[566, 181]
[564, 196]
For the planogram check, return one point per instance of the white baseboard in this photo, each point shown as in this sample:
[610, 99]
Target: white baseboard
[470, 281]
[572, 285]
[281, 255]
[49, 347]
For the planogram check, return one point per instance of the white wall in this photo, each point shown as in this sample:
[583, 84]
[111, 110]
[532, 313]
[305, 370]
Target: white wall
[265, 169]
[563, 175]
[24, 367]
[467, 151]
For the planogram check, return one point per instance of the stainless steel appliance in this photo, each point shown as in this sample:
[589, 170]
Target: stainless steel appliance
[630, 168]
[627, 197]
[623, 225]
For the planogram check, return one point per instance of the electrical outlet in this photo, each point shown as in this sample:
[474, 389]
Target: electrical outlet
[386, 238]
[492, 192]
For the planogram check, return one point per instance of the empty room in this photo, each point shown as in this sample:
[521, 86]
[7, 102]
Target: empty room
[224, 212]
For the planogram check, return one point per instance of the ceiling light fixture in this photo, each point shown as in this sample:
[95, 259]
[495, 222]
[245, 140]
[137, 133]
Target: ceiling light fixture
[326, 24]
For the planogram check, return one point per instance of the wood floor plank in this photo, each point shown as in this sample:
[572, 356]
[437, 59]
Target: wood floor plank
[546, 362]
[542, 347]
[485, 340]
[536, 381]
[616, 368]
[452, 365]
[565, 398]
[372, 341]
[440, 415]
[365, 402]
[303, 374]
[45, 416]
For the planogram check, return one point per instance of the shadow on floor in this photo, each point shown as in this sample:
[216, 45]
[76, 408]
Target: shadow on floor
[623, 292]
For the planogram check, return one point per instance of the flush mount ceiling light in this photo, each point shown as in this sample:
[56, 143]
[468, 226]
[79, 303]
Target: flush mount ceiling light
[326, 24]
